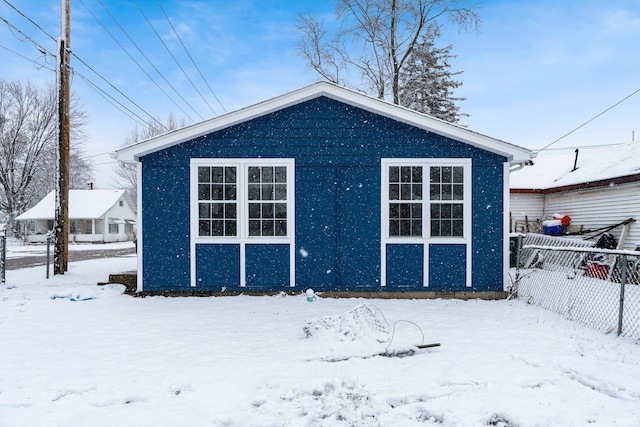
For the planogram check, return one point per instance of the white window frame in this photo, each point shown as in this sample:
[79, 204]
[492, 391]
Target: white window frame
[425, 239]
[242, 237]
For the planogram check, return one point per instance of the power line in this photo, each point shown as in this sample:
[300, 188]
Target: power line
[45, 52]
[30, 20]
[149, 61]
[133, 59]
[113, 101]
[38, 46]
[39, 66]
[190, 57]
[119, 91]
[174, 58]
[590, 120]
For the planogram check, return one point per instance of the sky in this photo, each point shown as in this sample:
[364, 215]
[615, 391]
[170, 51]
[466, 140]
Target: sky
[534, 72]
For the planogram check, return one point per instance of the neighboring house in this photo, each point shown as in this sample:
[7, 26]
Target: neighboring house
[324, 188]
[94, 216]
[603, 190]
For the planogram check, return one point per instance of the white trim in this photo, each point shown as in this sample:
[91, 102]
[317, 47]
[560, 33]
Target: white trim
[139, 236]
[513, 153]
[426, 240]
[506, 208]
[242, 237]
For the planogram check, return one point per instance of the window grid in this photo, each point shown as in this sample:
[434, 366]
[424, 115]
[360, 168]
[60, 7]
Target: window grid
[405, 201]
[446, 193]
[217, 201]
[267, 196]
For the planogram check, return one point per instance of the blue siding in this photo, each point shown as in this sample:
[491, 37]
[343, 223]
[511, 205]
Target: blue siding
[317, 234]
[337, 150]
[358, 214]
[267, 266]
[166, 228]
[404, 267]
[487, 232]
[218, 267]
[447, 268]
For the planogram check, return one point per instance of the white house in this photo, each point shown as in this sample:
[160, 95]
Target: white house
[94, 216]
[600, 188]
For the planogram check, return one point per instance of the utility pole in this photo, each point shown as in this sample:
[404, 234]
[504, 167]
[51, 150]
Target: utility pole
[61, 250]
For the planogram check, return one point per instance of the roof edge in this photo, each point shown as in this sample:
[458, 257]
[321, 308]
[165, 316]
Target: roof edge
[513, 153]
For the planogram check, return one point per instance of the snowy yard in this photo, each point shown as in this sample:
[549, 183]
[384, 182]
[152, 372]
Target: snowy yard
[73, 354]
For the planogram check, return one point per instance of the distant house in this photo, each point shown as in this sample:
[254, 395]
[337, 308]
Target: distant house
[94, 216]
[603, 190]
[325, 188]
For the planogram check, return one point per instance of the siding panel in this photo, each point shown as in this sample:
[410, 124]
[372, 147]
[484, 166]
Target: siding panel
[596, 208]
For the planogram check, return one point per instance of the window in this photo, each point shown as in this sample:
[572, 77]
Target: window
[446, 196]
[113, 228]
[217, 201]
[405, 200]
[121, 204]
[267, 194]
[416, 208]
[243, 198]
[128, 227]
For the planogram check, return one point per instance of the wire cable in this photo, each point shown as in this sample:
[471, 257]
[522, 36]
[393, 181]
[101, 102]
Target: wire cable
[190, 57]
[38, 65]
[172, 56]
[117, 104]
[30, 20]
[38, 46]
[133, 59]
[153, 66]
[119, 91]
[590, 120]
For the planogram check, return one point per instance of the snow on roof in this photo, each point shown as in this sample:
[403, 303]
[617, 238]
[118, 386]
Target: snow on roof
[555, 170]
[83, 204]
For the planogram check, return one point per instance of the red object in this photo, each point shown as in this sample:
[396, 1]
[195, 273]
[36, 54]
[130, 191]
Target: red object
[596, 270]
[564, 219]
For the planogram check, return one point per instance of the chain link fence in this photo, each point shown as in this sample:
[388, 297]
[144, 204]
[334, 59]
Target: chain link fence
[599, 288]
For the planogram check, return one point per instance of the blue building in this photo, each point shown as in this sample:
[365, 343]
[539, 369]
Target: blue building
[325, 188]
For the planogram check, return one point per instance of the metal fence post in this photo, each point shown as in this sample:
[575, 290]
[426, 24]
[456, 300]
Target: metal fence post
[518, 250]
[3, 257]
[623, 279]
[48, 252]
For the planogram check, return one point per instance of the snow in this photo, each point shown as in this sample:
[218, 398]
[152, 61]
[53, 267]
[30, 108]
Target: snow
[553, 170]
[15, 248]
[83, 204]
[75, 354]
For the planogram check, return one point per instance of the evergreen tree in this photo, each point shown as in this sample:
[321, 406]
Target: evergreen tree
[427, 83]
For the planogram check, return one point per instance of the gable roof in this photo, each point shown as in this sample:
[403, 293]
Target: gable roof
[513, 153]
[620, 163]
[83, 204]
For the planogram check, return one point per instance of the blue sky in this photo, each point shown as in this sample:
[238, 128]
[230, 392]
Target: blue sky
[536, 70]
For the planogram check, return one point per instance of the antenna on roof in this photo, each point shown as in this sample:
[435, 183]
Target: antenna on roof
[575, 162]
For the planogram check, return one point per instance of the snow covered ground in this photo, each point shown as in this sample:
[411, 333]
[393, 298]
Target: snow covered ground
[73, 354]
[15, 248]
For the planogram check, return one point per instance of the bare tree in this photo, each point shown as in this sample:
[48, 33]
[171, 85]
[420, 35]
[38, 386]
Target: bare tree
[126, 175]
[28, 135]
[374, 38]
